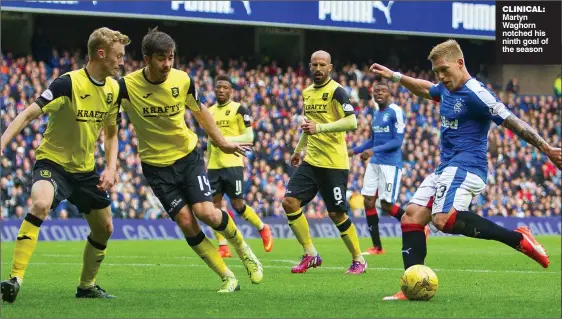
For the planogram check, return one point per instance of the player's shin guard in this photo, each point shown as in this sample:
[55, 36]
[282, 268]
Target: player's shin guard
[396, 212]
[94, 253]
[373, 223]
[414, 248]
[205, 249]
[251, 217]
[473, 225]
[25, 244]
[348, 234]
[228, 229]
[299, 226]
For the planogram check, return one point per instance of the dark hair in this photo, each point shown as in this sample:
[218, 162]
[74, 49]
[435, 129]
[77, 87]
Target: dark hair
[157, 42]
[222, 77]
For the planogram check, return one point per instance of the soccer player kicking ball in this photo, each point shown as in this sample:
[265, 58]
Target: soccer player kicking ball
[226, 171]
[325, 168]
[80, 104]
[467, 109]
[384, 171]
[155, 99]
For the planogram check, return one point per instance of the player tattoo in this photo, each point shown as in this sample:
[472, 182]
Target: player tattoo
[526, 132]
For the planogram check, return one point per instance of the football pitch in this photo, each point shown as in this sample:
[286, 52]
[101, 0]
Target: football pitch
[165, 279]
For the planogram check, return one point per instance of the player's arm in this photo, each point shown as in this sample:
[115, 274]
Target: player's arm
[370, 143]
[417, 86]
[244, 123]
[49, 101]
[501, 115]
[205, 119]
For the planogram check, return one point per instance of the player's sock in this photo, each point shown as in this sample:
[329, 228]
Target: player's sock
[220, 238]
[94, 253]
[414, 247]
[373, 223]
[299, 226]
[349, 235]
[251, 217]
[473, 225]
[25, 244]
[396, 212]
[229, 230]
[207, 251]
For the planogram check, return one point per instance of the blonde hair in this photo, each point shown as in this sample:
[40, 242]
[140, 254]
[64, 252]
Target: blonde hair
[449, 50]
[104, 38]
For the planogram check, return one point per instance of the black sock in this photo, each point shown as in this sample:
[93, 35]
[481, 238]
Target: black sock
[396, 212]
[414, 248]
[373, 222]
[475, 226]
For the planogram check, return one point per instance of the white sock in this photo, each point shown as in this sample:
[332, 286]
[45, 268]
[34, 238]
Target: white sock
[311, 251]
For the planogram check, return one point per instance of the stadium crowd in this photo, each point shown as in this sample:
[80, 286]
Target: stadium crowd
[521, 181]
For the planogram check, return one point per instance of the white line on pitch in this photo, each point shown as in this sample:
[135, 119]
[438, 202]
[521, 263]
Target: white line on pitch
[285, 267]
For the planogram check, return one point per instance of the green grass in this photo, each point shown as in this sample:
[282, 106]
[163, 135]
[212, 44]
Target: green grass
[166, 279]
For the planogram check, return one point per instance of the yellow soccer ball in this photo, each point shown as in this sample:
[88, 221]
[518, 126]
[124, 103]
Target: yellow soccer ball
[419, 282]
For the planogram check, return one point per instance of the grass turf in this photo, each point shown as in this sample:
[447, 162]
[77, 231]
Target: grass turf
[166, 279]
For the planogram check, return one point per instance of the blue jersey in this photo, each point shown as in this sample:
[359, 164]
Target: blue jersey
[387, 136]
[466, 115]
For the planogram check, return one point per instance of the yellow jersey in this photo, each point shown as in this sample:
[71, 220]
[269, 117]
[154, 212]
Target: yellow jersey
[327, 103]
[157, 111]
[232, 119]
[78, 108]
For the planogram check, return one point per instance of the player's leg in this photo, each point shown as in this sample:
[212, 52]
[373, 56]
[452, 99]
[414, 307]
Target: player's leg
[162, 181]
[205, 249]
[300, 191]
[333, 188]
[95, 205]
[49, 188]
[196, 190]
[217, 191]
[414, 220]
[233, 188]
[369, 192]
[455, 191]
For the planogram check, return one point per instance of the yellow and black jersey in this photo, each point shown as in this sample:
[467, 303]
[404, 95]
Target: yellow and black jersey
[157, 112]
[327, 103]
[79, 107]
[232, 119]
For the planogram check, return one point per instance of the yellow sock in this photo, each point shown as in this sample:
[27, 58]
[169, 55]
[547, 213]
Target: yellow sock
[220, 238]
[94, 253]
[299, 226]
[228, 229]
[25, 245]
[251, 217]
[207, 251]
[349, 235]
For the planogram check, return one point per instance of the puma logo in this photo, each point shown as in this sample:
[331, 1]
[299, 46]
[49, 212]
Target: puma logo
[234, 234]
[24, 237]
[407, 251]
[84, 96]
[147, 95]
[476, 232]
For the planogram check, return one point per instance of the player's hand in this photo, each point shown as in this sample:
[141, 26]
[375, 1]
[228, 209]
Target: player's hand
[350, 153]
[381, 70]
[296, 159]
[309, 127]
[367, 154]
[555, 155]
[236, 148]
[108, 178]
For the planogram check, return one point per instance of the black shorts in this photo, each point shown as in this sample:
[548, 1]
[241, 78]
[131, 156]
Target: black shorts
[227, 181]
[183, 183]
[308, 180]
[78, 188]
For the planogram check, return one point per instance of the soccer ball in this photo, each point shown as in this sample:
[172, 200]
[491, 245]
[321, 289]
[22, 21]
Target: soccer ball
[419, 282]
